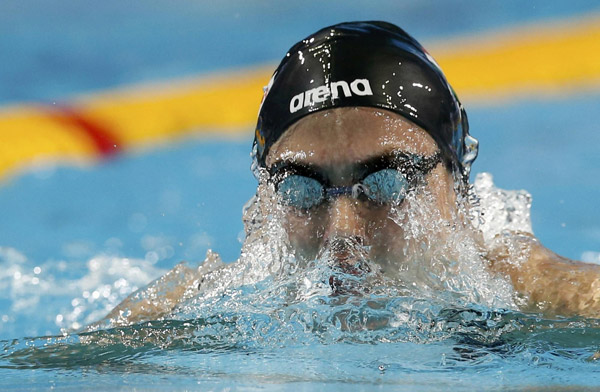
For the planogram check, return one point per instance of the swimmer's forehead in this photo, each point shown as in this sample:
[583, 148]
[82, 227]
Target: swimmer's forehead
[344, 136]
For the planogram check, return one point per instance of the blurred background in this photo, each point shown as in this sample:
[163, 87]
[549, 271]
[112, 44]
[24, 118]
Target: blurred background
[126, 129]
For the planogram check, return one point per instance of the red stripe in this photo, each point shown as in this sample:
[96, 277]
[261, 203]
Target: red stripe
[106, 141]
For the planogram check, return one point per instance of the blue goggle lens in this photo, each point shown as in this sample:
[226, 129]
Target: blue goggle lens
[382, 187]
[385, 186]
[300, 191]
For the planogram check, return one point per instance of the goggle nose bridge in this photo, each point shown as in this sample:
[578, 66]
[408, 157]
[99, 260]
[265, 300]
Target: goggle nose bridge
[353, 190]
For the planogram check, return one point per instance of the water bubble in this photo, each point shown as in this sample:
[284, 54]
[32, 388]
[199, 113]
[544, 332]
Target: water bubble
[137, 222]
[113, 244]
[11, 256]
[151, 257]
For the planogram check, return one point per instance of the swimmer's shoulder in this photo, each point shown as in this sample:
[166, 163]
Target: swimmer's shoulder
[548, 282]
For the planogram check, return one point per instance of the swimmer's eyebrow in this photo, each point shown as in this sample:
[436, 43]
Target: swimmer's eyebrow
[286, 166]
[393, 159]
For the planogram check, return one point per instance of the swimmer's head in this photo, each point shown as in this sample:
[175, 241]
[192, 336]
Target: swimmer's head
[362, 141]
[366, 64]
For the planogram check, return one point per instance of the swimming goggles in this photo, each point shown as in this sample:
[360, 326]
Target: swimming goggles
[383, 180]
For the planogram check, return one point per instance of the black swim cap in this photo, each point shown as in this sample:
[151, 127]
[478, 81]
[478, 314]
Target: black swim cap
[374, 64]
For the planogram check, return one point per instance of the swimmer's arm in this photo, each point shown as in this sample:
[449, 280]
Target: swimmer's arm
[551, 283]
[160, 297]
[152, 302]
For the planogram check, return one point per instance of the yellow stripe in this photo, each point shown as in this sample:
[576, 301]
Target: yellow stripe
[532, 60]
[227, 104]
[30, 136]
[557, 57]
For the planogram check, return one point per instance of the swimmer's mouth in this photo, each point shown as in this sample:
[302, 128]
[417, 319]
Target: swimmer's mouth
[348, 258]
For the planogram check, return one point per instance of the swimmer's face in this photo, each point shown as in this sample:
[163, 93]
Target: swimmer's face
[338, 144]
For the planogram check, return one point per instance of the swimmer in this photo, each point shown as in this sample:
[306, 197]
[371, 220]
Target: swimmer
[361, 143]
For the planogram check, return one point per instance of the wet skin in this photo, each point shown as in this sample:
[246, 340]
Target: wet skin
[336, 143]
[337, 140]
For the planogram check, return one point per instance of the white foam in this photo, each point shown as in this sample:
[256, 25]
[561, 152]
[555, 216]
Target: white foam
[453, 271]
[268, 262]
[591, 257]
[500, 210]
[41, 291]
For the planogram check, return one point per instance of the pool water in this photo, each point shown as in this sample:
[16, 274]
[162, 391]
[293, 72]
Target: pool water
[250, 335]
[467, 352]
[76, 241]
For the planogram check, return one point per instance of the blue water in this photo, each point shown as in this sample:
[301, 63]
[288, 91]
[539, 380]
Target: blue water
[550, 148]
[73, 228]
[180, 192]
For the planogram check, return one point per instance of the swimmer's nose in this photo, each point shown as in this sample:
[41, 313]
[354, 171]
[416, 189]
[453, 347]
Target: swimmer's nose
[344, 220]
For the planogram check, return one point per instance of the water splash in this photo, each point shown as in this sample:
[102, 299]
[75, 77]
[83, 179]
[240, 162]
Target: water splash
[53, 295]
[442, 263]
[500, 210]
[341, 292]
[291, 315]
[343, 288]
